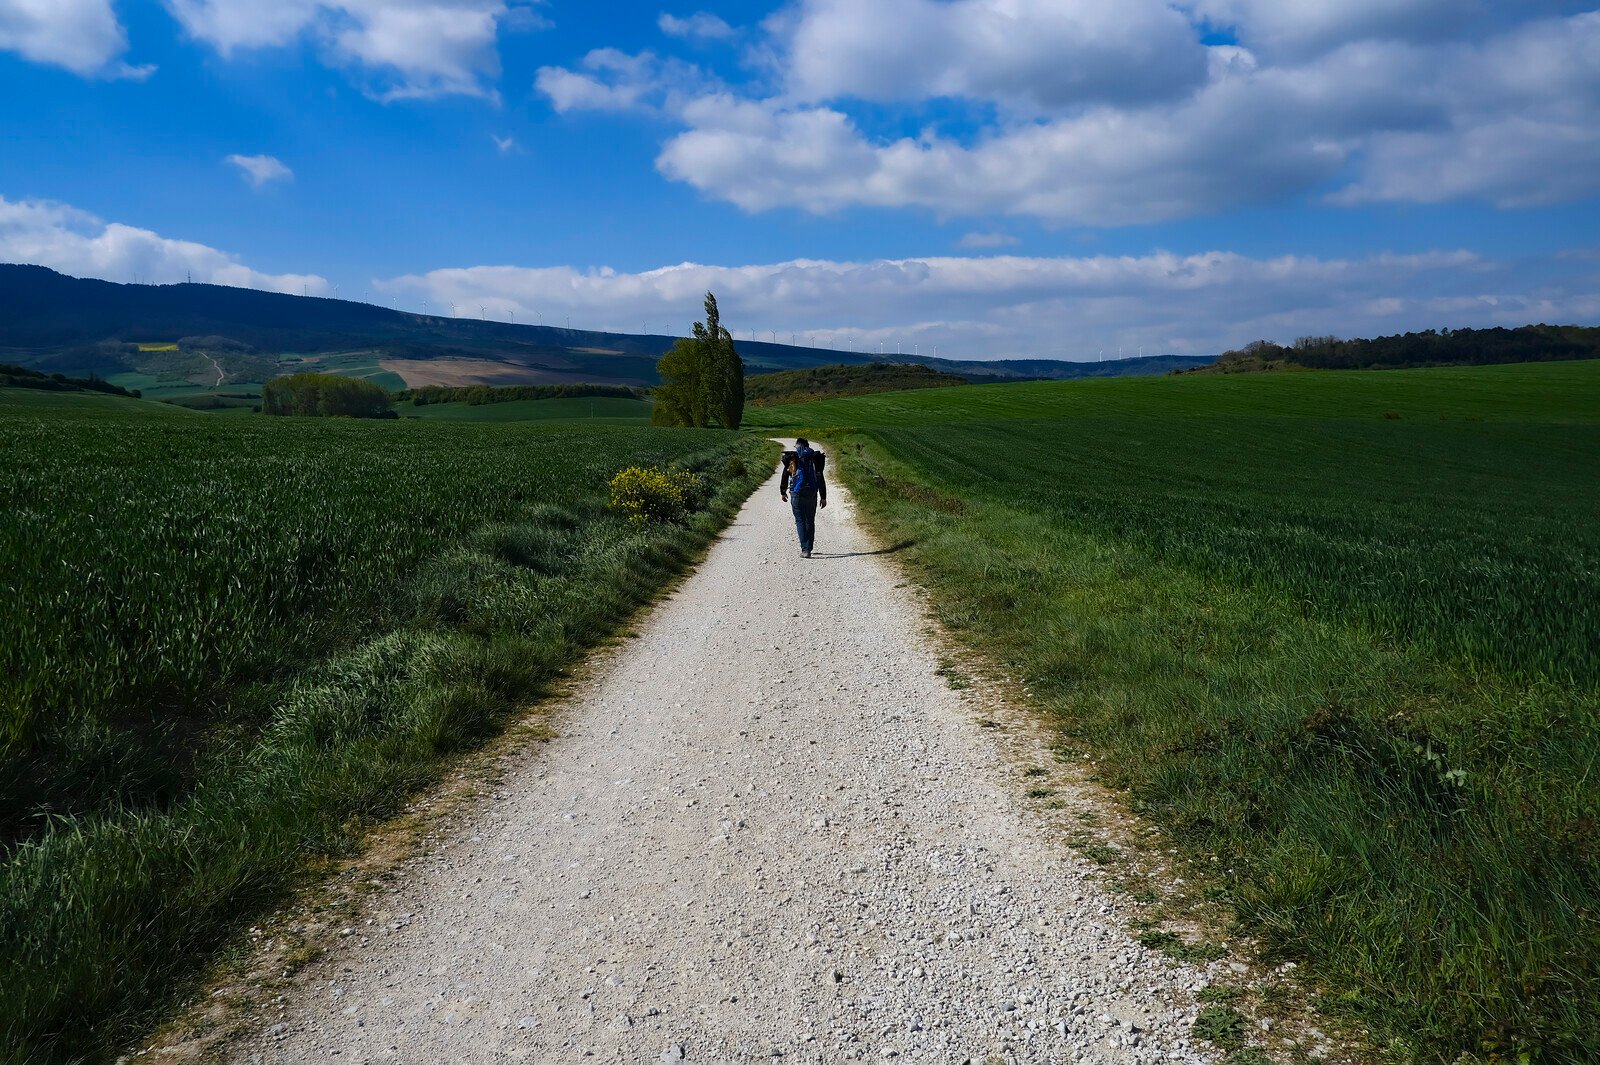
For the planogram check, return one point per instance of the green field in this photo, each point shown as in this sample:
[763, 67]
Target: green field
[608, 408]
[228, 643]
[1338, 633]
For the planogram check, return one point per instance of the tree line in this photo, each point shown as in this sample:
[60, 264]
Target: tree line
[477, 395]
[1431, 347]
[326, 395]
[702, 378]
[12, 376]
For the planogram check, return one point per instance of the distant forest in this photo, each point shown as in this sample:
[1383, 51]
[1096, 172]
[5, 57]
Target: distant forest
[326, 395]
[830, 382]
[1441, 347]
[476, 395]
[22, 377]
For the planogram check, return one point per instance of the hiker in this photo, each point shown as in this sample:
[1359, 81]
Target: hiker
[803, 488]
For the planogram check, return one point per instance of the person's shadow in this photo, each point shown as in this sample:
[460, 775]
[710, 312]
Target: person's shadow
[901, 546]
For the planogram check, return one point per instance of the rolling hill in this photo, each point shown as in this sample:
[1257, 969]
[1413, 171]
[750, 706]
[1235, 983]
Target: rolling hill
[189, 336]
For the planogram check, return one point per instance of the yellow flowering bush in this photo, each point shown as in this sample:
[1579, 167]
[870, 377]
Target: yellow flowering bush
[648, 493]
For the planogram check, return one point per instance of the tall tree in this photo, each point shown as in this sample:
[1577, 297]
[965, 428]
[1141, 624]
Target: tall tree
[724, 380]
[702, 379]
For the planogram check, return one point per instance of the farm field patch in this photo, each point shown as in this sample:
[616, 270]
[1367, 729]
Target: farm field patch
[1336, 632]
[609, 408]
[230, 642]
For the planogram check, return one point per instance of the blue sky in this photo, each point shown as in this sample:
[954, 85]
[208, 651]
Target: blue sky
[984, 177]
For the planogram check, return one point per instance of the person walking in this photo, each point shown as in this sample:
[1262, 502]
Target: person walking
[803, 487]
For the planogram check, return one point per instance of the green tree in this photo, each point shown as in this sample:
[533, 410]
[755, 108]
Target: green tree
[724, 379]
[681, 397]
[702, 380]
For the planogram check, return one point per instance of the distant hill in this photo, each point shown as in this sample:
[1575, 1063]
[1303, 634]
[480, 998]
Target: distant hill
[839, 380]
[1445, 347]
[211, 335]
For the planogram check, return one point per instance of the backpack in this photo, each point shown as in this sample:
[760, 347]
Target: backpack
[807, 475]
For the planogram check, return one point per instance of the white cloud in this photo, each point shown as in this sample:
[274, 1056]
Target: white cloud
[1018, 306]
[405, 48]
[702, 26]
[77, 243]
[987, 240]
[1309, 27]
[612, 80]
[261, 170]
[83, 36]
[1038, 55]
[507, 145]
[1509, 119]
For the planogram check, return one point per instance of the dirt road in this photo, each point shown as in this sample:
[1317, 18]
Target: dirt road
[769, 830]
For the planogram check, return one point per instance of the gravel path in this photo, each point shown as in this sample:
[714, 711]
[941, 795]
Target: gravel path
[769, 830]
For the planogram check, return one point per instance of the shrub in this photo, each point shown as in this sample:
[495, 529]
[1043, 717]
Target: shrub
[653, 494]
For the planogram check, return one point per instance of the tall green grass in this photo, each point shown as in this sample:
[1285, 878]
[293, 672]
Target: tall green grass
[1349, 660]
[230, 644]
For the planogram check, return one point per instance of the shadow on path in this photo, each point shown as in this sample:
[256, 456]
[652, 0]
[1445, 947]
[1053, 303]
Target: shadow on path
[901, 546]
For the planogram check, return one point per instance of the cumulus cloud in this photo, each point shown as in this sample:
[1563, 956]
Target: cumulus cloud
[1506, 116]
[701, 26]
[84, 36]
[1039, 55]
[405, 48]
[260, 170]
[1508, 120]
[76, 242]
[1014, 305]
[1309, 27]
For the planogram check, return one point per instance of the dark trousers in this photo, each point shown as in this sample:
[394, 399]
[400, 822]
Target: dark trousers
[804, 505]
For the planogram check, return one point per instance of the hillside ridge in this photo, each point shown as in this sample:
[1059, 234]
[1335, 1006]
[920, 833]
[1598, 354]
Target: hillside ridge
[58, 323]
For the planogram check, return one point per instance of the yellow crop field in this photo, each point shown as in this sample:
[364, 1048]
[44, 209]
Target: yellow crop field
[158, 347]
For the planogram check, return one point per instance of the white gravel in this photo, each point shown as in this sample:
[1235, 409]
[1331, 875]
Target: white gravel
[768, 830]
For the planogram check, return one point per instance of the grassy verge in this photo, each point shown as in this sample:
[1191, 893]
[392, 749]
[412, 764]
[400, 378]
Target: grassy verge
[1420, 837]
[1336, 633]
[106, 907]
